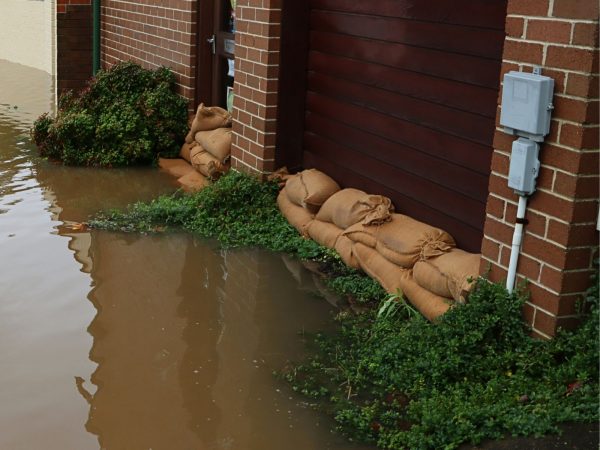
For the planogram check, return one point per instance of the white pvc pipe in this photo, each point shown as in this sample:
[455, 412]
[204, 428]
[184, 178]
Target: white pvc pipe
[516, 244]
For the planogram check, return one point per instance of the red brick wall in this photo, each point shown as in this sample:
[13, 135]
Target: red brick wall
[256, 85]
[152, 33]
[560, 239]
[74, 43]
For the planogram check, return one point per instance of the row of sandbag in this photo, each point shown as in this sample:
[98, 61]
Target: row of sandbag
[206, 151]
[396, 250]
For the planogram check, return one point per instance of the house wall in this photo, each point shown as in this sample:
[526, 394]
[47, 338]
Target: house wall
[152, 33]
[560, 240]
[34, 47]
[74, 43]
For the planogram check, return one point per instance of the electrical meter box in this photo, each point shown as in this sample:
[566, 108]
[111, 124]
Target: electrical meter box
[527, 104]
[524, 166]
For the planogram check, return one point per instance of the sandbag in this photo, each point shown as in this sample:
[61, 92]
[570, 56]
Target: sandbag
[344, 247]
[393, 278]
[429, 304]
[208, 118]
[216, 142]
[324, 233]
[386, 273]
[175, 166]
[206, 164]
[186, 150]
[193, 181]
[403, 240]
[350, 206]
[310, 189]
[296, 215]
[448, 275]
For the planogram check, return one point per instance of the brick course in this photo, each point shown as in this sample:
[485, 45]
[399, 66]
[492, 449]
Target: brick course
[560, 239]
[152, 33]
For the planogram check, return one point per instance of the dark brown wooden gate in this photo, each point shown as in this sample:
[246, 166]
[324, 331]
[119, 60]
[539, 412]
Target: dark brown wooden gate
[401, 100]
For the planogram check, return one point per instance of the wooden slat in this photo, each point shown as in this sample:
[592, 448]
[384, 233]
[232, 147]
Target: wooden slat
[449, 202]
[480, 42]
[438, 117]
[467, 237]
[463, 68]
[407, 159]
[468, 154]
[476, 13]
[451, 93]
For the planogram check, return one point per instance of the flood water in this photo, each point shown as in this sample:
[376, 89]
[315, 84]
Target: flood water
[121, 341]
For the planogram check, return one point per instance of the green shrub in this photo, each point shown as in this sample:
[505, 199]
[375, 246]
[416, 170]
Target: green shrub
[126, 115]
[476, 374]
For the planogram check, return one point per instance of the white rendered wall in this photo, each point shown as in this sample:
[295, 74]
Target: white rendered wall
[27, 33]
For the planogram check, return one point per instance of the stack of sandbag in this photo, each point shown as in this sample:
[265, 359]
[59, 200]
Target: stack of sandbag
[303, 195]
[207, 146]
[396, 250]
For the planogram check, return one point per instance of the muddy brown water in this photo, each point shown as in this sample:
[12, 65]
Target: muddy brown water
[117, 341]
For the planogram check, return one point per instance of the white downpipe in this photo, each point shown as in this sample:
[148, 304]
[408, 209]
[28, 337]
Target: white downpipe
[516, 244]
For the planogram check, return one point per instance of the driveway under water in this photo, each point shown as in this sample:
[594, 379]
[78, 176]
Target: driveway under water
[120, 341]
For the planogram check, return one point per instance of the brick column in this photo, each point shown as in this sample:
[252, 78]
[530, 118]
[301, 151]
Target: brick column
[561, 238]
[73, 44]
[257, 39]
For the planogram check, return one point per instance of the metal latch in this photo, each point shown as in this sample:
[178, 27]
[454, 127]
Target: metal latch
[213, 44]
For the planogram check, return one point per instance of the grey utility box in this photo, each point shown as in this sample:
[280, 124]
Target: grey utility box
[527, 104]
[524, 166]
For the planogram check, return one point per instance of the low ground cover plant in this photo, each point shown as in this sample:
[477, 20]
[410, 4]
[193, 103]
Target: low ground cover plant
[388, 376]
[127, 115]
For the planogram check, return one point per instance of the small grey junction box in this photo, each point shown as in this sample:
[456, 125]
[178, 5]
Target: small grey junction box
[524, 166]
[527, 104]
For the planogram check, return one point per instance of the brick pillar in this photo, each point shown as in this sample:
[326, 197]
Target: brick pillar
[73, 43]
[561, 238]
[258, 24]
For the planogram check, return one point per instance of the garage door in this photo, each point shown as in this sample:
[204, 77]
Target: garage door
[401, 100]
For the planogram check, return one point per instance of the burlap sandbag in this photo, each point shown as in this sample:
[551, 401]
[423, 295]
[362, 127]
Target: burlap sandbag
[186, 150]
[344, 247]
[296, 215]
[216, 142]
[429, 304]
[448, 275]
[324, 233]
[403, 240]
[193, 181]
[393, 278]
[387, 274]
[310, 189]
[206, 164]
[350, 206]
[176, 166]
[208, 118]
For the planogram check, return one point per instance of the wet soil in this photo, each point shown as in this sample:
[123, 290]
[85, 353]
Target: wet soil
[117, 341]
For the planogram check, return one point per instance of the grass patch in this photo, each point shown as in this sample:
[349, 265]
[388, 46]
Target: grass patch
[240, 211]
[388, 376]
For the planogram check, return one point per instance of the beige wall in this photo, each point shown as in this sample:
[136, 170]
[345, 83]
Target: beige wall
[27, 33]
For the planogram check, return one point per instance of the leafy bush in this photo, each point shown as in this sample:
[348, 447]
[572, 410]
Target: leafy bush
[127, 115]
[476, 374]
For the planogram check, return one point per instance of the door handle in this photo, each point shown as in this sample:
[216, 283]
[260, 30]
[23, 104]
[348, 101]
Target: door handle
[213, 44]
